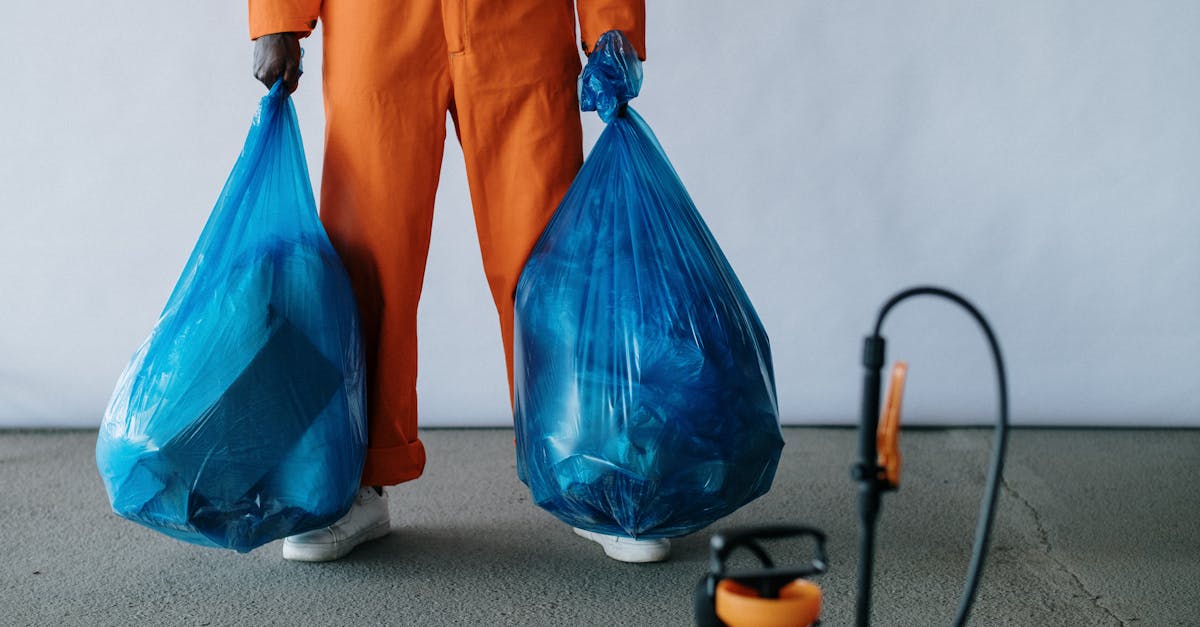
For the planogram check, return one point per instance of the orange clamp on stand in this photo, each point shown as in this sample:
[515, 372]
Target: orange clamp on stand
[887, 439]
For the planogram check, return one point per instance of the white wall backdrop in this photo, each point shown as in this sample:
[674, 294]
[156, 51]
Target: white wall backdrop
[1041, 157]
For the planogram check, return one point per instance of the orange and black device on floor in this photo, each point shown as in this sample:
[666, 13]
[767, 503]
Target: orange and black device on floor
[879, 458]
[770, 596]
[781, 597]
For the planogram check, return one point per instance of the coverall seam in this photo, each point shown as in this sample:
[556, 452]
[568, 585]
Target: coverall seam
[464, 30]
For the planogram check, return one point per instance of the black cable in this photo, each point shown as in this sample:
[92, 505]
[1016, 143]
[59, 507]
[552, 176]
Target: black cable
[868, 472]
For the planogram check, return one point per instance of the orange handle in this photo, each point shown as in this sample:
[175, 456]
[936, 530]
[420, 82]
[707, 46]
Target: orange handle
[887, 438]
[798, 605]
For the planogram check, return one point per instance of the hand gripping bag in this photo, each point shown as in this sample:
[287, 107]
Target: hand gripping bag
[240, 420]
[644, 392]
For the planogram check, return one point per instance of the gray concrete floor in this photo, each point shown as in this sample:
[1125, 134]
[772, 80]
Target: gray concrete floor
[1095, 528]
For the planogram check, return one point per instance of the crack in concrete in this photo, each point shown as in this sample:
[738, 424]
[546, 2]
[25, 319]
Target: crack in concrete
[1047, 548]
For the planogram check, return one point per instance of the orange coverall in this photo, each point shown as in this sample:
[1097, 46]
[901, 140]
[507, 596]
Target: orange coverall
[506, 71]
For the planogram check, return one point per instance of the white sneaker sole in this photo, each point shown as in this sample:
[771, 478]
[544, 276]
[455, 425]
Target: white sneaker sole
[627, 549]
[327, 552]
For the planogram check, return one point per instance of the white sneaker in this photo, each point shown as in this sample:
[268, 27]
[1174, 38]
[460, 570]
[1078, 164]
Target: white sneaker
[625, 549]
[367, 520]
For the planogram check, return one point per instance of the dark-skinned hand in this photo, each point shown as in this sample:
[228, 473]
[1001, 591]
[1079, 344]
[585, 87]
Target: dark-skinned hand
[278, 55]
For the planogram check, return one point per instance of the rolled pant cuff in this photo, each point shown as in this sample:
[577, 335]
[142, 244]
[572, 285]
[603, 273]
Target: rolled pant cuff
[393, 465]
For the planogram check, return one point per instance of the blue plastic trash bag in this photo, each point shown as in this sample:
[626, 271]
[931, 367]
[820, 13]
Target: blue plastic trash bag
[644, 392]
[241, 420]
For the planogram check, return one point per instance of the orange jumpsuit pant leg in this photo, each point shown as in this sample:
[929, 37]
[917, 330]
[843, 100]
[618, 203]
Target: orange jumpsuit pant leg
[387, 90]
[514, 67]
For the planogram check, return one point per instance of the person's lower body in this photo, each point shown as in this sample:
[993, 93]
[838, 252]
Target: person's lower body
[506, 72]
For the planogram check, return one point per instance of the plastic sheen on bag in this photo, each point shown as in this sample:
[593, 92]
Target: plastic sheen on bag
[241, 419]
[644, 392]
